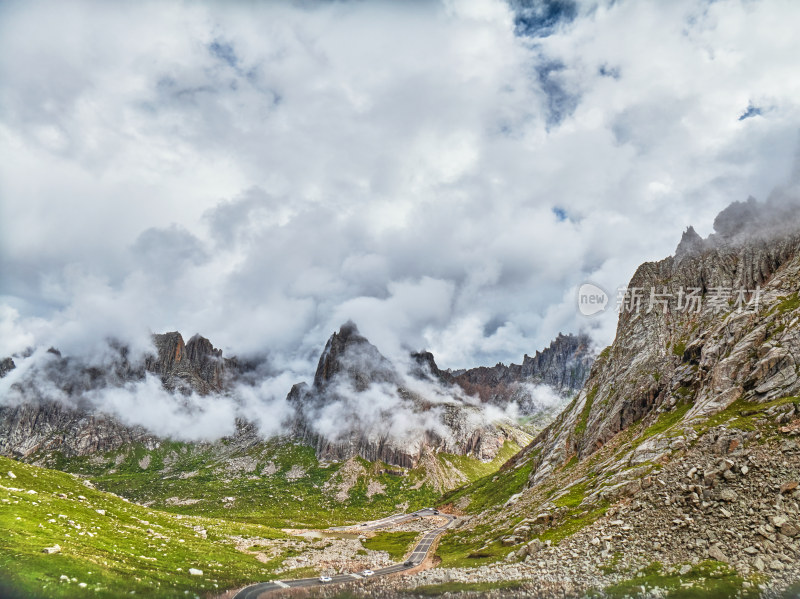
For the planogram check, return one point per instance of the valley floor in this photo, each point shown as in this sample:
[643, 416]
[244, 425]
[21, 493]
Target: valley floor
[717, 520]
[681, 536]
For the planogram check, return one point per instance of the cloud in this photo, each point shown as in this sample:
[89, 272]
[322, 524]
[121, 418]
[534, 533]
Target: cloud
[446, 175]
[116, 383]
[392, 403]
[168, 251]
[13, 336]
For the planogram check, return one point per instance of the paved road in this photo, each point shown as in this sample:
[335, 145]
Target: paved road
[383, 522]
[415, 559]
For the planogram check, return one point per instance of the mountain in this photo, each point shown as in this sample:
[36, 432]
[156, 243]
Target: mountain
[562, 367]
[195, 366]
[360, 404]
[51, 407]
[680, 450]
[701, 360]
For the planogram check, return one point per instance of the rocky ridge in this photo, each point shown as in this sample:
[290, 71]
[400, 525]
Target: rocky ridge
[733, 348]
[441, 417]
[196, 366]
[563, 367]
[681, 445]
[351, 368]
[69, 423]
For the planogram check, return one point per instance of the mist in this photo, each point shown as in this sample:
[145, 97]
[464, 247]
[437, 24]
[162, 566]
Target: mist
[260, 174]
[121, 388]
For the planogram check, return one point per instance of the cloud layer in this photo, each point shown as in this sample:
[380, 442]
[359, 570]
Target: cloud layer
[444, 174]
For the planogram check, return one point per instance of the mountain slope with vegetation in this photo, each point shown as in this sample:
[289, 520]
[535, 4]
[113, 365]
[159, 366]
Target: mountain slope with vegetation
[59, 537]
[682, 446]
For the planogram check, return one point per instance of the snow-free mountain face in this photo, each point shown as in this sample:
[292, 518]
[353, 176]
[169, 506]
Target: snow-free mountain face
[359, 403]
[681, 446]
[542, 383]
[723, 330]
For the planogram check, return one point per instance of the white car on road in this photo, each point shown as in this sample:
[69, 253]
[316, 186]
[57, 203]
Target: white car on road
[324, 578]
[367, 573]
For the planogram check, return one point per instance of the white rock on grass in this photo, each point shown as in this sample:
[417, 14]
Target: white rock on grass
[101, 512]
[11, 474]
[195, 572]
[82, 585]
[53, 549]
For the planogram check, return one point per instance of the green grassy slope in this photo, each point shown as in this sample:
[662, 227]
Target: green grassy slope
[193, 505]
[396, 544]
[127, 548]
[278, 484]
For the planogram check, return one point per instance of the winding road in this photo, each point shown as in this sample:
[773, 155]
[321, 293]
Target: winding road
[417, 556]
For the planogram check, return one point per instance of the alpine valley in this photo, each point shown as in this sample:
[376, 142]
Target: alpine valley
[665, 465]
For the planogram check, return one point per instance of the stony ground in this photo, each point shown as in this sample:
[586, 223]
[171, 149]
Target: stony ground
[732, 501]
[333, 555]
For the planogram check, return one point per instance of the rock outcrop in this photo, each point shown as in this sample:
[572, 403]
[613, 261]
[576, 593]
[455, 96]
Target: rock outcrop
[563, 367]
[360, 404]
[713, 325]
[51, 411]
[195, 366]
[6, 366]
[31, 428]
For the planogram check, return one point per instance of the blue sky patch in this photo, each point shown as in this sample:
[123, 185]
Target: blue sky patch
[539, 18]
[224, 51]
[750, 112]
[560, 102]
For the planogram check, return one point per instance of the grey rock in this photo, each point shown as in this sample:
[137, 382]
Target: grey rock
[715, 552]
[6, 366]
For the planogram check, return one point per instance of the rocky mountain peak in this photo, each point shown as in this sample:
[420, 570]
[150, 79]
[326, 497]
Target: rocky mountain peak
[691, 243]
[194, 366]
[171, 350]
[199, 349]
[563, 366]
[6, 366]
[351, 359]
[371, 408]
[424, 367]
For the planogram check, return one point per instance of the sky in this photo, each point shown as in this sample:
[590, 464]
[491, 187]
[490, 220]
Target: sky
[445, 174]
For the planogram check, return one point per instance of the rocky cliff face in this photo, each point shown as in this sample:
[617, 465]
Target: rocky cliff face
[194, 366]
[360, 404]
[31, 428]
[50, 410]
[563, 367]
[681, 447]
[723, 328]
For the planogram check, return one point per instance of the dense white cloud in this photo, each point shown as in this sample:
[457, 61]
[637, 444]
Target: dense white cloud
[445, 175]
